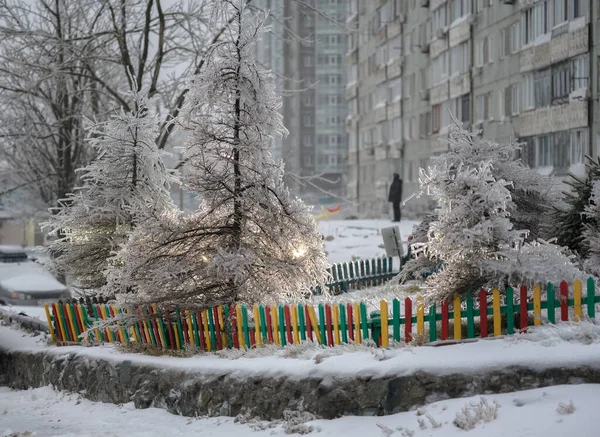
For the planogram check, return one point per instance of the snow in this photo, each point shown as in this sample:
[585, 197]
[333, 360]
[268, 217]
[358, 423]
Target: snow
[567, 345]
[36, 312]
[43, 412]
[359, 239]
[27, 277]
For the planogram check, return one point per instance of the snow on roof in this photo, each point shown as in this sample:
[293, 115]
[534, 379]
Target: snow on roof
[11, 249]
[27, 277]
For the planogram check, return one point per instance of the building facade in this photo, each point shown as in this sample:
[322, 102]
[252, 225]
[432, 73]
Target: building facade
[514, 69]
[305, 50]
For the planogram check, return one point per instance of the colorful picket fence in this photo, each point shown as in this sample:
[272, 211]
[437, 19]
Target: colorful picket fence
[359, 274]
[330, 324]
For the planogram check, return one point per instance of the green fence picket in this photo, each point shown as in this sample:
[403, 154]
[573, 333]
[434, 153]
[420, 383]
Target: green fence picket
[322, 324]
[343, 324]
[432, 323]
[396, 319]
[301, 323]
[263, 324]
[551, 304]
[197, 334]
[364, 323]
[470, 317]
[282, 325]
[245, 327]
[591, 308]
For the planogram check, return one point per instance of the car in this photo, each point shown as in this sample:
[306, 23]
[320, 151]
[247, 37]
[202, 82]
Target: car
[24, 282]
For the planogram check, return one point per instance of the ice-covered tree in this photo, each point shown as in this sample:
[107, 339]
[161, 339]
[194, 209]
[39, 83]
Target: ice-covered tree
[591, 233]
[531, 192]
[473, 236]
[570, 220]
[249, 240]
[125, 185]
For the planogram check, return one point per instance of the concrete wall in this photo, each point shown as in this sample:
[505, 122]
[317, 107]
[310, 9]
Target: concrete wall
[191, 393]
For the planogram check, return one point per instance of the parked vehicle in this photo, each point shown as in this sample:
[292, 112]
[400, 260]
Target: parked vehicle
[24, 282]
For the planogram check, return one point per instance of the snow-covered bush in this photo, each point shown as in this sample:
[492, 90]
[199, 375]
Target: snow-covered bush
[477, 235]
[124, 184]
[475, 413]
[249, 240]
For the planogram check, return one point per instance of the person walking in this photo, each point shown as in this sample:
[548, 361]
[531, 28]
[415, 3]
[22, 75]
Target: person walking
[395, 196]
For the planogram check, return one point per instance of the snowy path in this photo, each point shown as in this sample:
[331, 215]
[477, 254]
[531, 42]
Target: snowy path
[44, 412]
[358, 238]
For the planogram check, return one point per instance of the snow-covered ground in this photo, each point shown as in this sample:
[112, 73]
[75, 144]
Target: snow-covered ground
[563, 345]
[551, 411]
[358, 239]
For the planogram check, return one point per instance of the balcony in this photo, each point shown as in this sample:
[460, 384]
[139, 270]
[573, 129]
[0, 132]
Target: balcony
[439, 94]
[438, 46]
[382, 35]
[460, 85]
[352, 56]
[559, 48]
[459, 33]
[351, 90]
[395, 27]
[434, 4]
[395, 149]
[550, 119]
[381, 152]
[394, 110]
[394, 68]
[380, 113]
[381, 74]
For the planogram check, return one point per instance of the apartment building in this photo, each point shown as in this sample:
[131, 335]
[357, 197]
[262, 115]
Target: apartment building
[305, 50]
[512, 68]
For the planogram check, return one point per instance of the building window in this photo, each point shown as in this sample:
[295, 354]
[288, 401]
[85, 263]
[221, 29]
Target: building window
[436, 118]
[307, 140]
[308, 160]
[307, 120]
[544, 151]
[395, 90]
[483, 107]
[460, 61]
[424, 120]
[440, 17]
[395, 47]
[505, 43]
[528, 92]
[439, 68]
[511, 100]
[579, 73]
[560, 11]
[423, 79]
[459, 9]
[542, 88]
[515, 40]
[561, 82]
[578, 146]
[465, 108]
[541, 18]
[515, 99]
[527, 26]
[576, 9]
[308, 61]
[381, 55]
[352, 73]
[396, 129]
